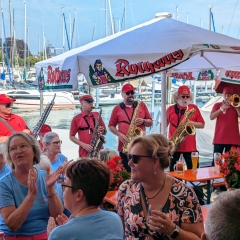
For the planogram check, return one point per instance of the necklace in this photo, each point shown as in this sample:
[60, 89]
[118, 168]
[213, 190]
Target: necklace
[157, 192]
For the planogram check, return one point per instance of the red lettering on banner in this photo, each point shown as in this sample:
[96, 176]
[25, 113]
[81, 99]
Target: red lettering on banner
[57, 77]
[185, 75]
[123, 68]
[232, 74]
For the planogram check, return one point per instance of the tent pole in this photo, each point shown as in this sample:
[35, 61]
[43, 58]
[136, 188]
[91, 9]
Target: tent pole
[194, 91]
[153, 95]
[163, 102]
[97, 98]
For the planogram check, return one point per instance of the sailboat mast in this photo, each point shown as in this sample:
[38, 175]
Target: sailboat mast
[63, 36]
[111, 18]
[25, 39]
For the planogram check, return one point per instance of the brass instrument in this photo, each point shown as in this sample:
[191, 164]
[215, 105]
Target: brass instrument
[96, 141]
[183, 130]
[133, 130]
[36, 130]
[235, 100]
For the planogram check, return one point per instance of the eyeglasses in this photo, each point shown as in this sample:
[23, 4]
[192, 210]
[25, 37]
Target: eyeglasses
[185, 96]
[64, 186]
[57, 142]
[8, 105]
[130, 92]
[23, 147]
[135, 158]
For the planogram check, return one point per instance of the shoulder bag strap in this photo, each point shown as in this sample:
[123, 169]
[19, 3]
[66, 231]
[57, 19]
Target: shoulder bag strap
[7, 125]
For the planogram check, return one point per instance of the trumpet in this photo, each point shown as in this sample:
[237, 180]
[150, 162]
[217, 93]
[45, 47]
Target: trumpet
[235, 100]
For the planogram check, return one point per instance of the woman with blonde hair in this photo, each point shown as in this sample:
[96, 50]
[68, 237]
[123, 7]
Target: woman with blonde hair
[178, 214]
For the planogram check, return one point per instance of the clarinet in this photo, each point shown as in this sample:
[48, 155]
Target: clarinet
[36, 130]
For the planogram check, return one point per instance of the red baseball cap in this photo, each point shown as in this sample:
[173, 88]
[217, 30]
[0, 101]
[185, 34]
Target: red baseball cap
[87, 98]
[228, 90]
[184, 90]
[127, 87]
[45, 129]
[4, 99]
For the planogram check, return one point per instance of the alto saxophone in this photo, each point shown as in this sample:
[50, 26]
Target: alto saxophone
[36, 130]
[96, 141]
[133, 130]
[183, 130]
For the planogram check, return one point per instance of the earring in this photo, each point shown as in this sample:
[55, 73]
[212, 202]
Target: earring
[155, 172]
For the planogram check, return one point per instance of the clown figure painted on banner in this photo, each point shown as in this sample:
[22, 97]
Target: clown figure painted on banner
[84, 124]
[175, 114]
[123, 117]
[100, 75]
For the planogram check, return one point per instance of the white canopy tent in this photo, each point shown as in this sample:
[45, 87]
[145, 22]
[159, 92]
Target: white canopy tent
[154, 46]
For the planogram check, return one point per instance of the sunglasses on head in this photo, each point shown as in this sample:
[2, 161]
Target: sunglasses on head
[130, 92]
[185, 96]
[8, 105]
[135, 158]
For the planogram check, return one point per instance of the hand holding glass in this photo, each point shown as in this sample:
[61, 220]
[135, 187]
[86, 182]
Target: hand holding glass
[194, 156]
[150, 208]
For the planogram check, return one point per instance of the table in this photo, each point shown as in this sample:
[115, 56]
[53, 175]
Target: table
[202, 175]
[111, 197]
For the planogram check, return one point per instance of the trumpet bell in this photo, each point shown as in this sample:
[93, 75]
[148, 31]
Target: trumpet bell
[235, 100]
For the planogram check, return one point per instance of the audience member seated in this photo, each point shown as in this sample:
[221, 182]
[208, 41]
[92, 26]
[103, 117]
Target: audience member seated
[87, 182]
[45, 129]
[4, 168]
[223, 217]
[45, 164]
[179, 215]
[28, 197]
[52, 149]
[107, 154]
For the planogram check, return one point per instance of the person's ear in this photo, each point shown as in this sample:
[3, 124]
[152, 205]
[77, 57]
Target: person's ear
[80, 195]
[203, 236]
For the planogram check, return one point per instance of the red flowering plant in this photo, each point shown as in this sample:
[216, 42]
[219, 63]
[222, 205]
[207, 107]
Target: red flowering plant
[230, 167]
[118, 172]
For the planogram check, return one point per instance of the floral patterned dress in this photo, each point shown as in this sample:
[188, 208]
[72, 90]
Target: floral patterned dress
[182, 206]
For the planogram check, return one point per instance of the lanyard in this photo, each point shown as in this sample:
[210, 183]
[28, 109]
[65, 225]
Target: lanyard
[128, 116]
[89, 128]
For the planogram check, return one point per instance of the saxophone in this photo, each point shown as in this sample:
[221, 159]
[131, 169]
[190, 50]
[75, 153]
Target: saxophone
[183, 130]
[97, 141]
[36, 130]
[133, 130]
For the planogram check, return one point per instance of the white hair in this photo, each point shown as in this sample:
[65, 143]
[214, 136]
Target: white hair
[44, 163]
[175, 96]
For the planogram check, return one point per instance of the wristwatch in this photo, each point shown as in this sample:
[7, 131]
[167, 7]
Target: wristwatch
[174, 233]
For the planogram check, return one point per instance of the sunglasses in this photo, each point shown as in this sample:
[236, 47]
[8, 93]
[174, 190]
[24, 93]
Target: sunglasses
[185, 96]
[8, 105]
[57, 142]
[135, 158]
[130, 92]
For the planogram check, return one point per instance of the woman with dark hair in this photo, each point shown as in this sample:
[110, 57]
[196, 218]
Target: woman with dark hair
[28, 196]
[87, 182]
[178, 214]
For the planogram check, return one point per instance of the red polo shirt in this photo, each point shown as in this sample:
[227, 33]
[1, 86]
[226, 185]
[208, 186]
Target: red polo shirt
[226, 128]
[16, 122]
[189, 144]
[120, 118]
[84, 135]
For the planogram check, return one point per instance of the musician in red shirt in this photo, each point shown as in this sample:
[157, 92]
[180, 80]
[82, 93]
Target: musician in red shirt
[122, 116]
[84, 124]
[9, 122]
[175, 114]
[227, 128]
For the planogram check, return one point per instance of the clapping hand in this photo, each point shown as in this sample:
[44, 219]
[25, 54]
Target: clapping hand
[62, 219]
[32, 187]
[54, 176]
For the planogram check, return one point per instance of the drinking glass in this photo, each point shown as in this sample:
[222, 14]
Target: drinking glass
[194, 156]
[150, 208]
[217, 159]
[179, 167]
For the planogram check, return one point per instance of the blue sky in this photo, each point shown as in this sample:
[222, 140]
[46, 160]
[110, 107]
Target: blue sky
[226, 13]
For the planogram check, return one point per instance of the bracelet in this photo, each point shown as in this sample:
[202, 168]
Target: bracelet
[52, 195]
